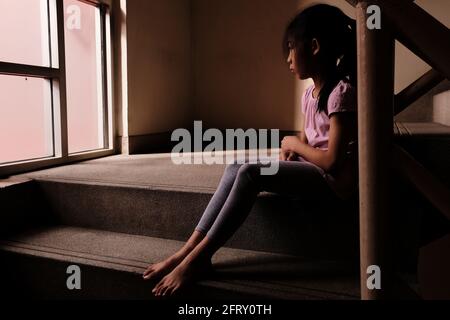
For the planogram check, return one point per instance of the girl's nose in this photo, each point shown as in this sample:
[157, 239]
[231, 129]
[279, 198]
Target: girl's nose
[290, 57]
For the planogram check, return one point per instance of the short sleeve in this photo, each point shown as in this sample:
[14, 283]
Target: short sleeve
[342, 99]
[304, 99]
[303, 106]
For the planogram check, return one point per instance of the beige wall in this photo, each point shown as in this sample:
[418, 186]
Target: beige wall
[221, 62]
[159, 65]
[241, 79]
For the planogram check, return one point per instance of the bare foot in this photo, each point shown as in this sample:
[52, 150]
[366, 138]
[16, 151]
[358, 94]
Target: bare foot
[183, 274]
[158, 270]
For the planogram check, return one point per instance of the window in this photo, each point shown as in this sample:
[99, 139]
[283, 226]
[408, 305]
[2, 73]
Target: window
[24, 32]
[55, 83]
[25, 118]
[84, 79]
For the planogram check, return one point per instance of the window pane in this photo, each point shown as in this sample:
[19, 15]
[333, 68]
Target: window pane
[84, 77]
[26, 122]
[24, 32]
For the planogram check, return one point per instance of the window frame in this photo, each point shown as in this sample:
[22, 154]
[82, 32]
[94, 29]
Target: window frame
[57, 78]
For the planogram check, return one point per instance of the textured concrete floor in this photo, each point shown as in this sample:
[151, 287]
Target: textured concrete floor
[156, 170]
[274, 275]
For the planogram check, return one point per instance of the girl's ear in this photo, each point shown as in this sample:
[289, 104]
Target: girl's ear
[315, 46]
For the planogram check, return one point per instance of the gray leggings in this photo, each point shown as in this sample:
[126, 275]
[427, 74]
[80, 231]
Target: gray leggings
[240, 185]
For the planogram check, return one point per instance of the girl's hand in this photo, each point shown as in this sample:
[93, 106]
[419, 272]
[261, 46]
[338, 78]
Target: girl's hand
[288, 156]
[289, 143]
[292, 156]
[283, 155]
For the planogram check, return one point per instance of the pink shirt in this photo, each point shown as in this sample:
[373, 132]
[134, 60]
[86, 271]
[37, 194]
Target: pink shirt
[344, 181]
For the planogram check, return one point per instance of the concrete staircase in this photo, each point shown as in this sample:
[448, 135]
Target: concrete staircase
[112, 264]
[429, 143]
[115, 216]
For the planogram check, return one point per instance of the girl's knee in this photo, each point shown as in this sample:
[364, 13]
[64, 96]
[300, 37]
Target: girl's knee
[250, 171]
[233, 167]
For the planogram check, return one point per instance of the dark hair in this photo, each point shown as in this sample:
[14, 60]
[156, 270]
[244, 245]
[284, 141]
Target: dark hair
[336, 34]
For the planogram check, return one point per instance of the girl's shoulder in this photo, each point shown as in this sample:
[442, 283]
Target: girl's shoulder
[343, 98]
[344, 87]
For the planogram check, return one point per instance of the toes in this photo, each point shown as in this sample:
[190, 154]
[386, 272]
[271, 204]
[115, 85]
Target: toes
[156, 291]
[174, 289]
[156, 288]
[148, 275]
[166, 290]
[148, 271]
[159, 287]
[160, 290]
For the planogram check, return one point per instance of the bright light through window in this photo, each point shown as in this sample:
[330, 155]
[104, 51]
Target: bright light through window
[26, 122]
[54, 107]
[24, 32]
[85, 105]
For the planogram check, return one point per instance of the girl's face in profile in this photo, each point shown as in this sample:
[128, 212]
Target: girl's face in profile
[298, 61]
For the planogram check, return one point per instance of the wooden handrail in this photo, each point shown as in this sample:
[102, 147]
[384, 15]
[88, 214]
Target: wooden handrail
[418, 31]
[406, 21]
[416, 90]
[432, 78]
[375, 135]
[433, 189]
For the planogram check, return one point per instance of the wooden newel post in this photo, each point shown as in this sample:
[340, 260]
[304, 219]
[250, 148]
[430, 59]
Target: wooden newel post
[376, 49]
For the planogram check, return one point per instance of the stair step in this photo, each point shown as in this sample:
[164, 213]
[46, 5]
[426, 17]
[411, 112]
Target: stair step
[150, 196]
[421, 129]
[428, 143]
[112, 264]
[441, 110]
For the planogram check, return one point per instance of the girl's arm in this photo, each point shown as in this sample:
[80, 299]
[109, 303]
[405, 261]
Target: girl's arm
[342, 130]
[303, 138]
[293, 155]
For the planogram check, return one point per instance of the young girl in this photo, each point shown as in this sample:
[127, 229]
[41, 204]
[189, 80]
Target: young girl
[320, 165]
